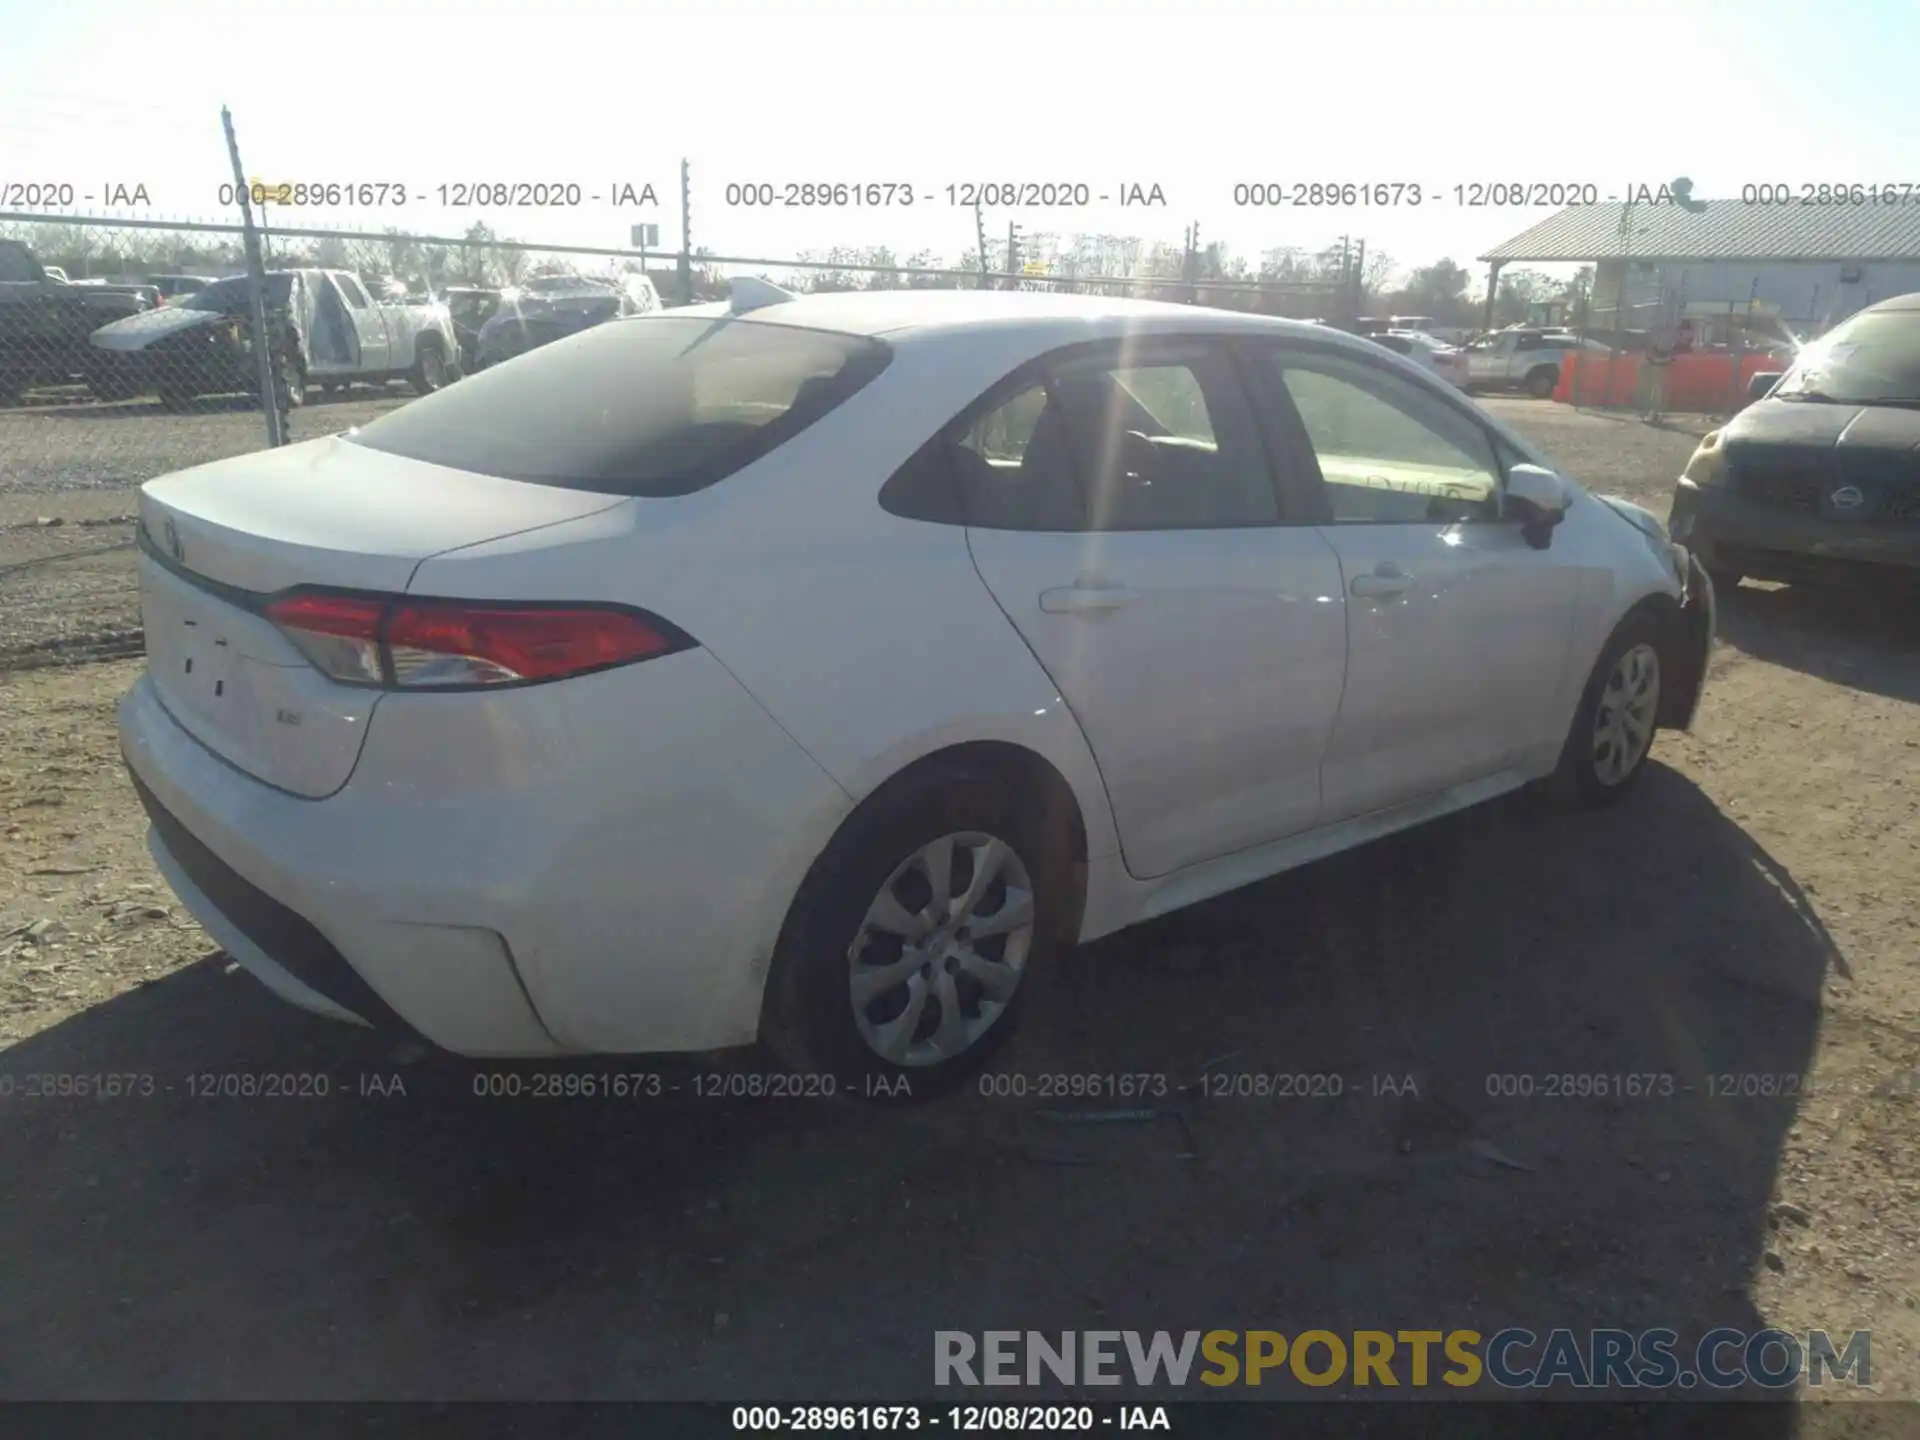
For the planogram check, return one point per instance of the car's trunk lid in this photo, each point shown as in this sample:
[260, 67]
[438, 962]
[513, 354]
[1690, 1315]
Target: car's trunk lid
[219, 539]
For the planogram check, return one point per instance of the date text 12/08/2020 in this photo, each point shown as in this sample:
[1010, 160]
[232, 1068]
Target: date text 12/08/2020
[459, 195]
[961, 1419]
[901, 194]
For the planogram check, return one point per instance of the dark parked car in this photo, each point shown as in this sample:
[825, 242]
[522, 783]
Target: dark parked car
[45, 321]
[1820, 477]
[148, 293]
[199, 345]
[551, 307]
[172, 287]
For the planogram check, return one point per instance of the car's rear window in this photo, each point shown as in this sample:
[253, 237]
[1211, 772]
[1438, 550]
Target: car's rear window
[657, 405]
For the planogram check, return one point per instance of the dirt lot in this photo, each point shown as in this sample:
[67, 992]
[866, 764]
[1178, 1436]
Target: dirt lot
[1752, 912]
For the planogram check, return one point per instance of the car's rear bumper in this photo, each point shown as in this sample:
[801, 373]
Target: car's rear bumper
[610, 876]
[1767, 542]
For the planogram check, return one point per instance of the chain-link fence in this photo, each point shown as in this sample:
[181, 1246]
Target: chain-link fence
[165, 317]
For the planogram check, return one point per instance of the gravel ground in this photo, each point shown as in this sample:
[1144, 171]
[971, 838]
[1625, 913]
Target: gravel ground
[67, 479]
[1752, 911]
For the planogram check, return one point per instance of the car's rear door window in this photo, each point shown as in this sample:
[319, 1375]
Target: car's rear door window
[656, 405]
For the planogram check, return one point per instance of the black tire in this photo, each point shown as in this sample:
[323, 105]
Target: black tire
[1580, 776]
[290, 381]
[1541, 382]
[173, 398]
[808, 1017]
[430, 369]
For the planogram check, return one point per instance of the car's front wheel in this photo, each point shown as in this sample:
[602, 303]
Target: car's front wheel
[914, 940]
[1606, 751]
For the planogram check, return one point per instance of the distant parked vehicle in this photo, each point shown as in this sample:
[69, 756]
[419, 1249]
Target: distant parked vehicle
[149, 294]
[45, 320]
[1526, 360]
[1449, 362]
[471, 307]
[1371, 325]
[552, 307]
[173, 287]
[336, 333]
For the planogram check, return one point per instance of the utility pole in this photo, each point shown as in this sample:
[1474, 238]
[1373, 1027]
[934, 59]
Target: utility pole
[1360, 278]
[980, 240]
[263, 347]
[686, 234]
[1013, 254]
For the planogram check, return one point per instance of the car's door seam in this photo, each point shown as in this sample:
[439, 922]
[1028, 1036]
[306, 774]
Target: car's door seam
[1059, 691]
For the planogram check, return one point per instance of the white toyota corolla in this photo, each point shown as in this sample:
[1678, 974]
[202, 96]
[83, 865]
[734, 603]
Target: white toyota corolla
[811, 670]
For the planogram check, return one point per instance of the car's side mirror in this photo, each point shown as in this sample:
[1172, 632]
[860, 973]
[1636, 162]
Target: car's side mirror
[1538, 499]
[1762, 383]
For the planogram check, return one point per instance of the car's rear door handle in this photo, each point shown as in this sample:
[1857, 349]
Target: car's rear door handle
[1085, 599]
[1387, 580]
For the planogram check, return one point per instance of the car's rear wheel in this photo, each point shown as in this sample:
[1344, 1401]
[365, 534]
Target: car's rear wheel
[291, 381]
[913, 944]
[1541, 382]
[1613, 729]
[429, 371]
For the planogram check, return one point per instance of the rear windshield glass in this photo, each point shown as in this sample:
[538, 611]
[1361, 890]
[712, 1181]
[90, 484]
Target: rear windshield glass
[1871, 359]
[656, 405]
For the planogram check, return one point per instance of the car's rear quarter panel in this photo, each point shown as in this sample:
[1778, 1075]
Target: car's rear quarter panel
[869, 638]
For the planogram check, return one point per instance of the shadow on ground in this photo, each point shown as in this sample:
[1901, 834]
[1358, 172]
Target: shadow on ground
[1866, 638]
[442, 1245]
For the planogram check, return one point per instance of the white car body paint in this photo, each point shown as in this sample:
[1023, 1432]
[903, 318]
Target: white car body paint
[604, 863]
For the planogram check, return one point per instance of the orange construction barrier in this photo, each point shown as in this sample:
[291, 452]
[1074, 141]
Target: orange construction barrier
[1701, 382]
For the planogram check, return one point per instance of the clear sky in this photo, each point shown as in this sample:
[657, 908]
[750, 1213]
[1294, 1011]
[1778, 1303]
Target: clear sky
[1193, 98]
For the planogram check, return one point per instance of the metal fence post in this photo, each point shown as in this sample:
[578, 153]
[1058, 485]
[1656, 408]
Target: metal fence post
[980, 232]
[264, 353]
[686, 234]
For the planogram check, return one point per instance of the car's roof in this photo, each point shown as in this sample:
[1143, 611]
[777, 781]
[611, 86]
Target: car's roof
[1897, 302]
[1052, 319]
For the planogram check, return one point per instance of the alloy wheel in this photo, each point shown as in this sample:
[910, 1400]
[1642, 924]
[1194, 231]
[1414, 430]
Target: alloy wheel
[941, 949]
[1624, 721]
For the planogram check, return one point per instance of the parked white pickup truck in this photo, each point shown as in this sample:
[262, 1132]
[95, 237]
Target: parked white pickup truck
[1521, 360]
[332, 333]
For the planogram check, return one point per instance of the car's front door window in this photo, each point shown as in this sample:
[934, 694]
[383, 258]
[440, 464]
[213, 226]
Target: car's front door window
[1388, 453]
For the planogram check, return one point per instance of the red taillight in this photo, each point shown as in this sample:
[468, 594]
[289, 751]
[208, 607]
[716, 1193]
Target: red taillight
[352, 616]
[437, 644]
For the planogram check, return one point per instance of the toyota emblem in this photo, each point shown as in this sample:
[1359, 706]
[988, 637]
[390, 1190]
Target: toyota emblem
[174, 547]
[1847, 497]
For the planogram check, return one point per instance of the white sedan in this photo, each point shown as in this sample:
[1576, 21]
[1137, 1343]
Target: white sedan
[813, 670]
